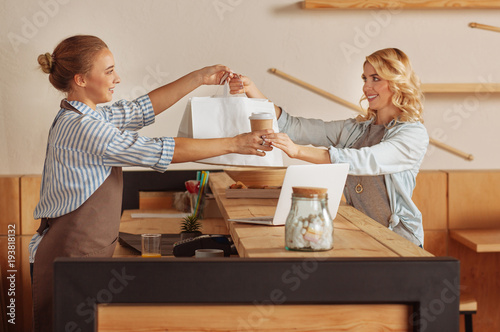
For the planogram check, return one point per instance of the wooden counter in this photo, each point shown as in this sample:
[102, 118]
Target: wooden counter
[355, 234]
[372, 280]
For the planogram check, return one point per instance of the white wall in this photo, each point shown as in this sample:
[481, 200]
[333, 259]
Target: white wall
[157, 41]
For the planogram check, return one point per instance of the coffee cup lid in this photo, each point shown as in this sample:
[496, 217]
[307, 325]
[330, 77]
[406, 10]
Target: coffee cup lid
[261, 116]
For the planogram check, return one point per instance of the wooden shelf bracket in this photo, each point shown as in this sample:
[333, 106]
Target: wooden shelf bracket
[484, 27]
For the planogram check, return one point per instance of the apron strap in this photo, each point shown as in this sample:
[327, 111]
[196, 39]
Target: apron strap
[44, 223]
[68, 106]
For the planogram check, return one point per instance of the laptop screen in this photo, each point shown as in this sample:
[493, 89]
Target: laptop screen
[329, 176]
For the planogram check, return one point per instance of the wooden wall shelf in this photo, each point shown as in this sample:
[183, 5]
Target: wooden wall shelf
[401, 4]
[460, 87]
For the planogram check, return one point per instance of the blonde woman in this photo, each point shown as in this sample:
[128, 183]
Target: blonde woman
[384, 148]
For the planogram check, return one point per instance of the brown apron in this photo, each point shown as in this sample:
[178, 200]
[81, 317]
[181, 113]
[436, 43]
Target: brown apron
[89, 231]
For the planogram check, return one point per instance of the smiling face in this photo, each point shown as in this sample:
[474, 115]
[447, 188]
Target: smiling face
[96, 87]
[376, 89]
[391, 87]
[101, 80]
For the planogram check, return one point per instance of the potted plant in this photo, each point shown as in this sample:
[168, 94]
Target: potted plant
[190, 227]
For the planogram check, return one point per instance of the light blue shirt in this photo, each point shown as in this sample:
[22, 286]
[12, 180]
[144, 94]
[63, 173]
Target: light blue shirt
[82, 149]
[398, 157]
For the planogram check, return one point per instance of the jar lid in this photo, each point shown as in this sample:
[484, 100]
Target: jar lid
[309, 191]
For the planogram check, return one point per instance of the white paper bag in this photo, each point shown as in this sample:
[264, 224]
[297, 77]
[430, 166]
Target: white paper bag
[227, 116]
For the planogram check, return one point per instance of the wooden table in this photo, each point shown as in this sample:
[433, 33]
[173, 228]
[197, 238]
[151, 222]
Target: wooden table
[355, 234]
[479, 240]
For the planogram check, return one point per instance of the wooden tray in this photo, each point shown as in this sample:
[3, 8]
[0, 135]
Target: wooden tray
[253, 193]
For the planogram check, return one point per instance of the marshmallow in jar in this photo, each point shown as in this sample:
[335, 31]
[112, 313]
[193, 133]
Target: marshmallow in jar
[309, 226]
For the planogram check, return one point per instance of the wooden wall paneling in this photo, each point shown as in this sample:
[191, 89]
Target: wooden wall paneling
[3, 316]
[5, 281]
[474, 199]
[9, 204]
[22, 290]
[436, 242]
[480, 277]
[430, 196]
[30, 195]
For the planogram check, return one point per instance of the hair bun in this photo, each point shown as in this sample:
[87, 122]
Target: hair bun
[46, 62]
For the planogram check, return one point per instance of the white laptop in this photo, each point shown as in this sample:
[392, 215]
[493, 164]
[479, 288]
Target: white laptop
[330, 176]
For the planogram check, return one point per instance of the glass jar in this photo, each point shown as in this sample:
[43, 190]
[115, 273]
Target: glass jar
[309, 226]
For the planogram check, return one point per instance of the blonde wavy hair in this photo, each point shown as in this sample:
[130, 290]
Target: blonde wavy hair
[394, 66]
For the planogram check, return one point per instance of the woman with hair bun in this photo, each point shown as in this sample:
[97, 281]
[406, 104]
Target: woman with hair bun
[384, 148]
[81, 191]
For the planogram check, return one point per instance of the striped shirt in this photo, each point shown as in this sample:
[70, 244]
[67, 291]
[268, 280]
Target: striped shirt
[82, 149]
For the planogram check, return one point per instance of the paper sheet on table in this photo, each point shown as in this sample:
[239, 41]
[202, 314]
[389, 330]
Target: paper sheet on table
[158, 215]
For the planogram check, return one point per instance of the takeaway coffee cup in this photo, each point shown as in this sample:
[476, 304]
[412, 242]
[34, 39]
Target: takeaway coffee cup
[261, 121]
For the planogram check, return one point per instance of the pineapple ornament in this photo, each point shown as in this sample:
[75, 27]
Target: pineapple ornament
[190, 227]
